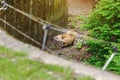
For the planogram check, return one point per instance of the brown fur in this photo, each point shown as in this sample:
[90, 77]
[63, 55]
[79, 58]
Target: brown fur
[67, 38]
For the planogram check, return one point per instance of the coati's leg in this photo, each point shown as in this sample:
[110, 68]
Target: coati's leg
[67, 44]
[64, 45]
[72, 43]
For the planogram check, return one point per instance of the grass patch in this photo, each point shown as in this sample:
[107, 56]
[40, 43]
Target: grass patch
[16, 66]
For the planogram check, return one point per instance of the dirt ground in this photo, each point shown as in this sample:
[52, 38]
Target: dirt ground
[80, 7]
[71, 52]
[76, 8]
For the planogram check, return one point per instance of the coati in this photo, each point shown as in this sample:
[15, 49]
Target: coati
[67, 39]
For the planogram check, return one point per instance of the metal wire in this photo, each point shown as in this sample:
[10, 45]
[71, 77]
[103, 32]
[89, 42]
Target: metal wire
[37, 19]
[13, 27]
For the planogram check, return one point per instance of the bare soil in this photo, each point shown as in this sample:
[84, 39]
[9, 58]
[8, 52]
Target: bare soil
[81, 8]
[71, 52]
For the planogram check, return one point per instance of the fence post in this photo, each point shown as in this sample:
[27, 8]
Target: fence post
[4, 6]
[45, 28]
[115, 50]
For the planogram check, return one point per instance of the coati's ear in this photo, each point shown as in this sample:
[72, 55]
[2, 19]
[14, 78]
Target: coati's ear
[73, 32]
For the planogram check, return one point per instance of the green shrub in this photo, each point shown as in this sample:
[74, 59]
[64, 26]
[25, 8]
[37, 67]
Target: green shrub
[98, 51]
[79, 44]
[114, 66]
[104, 21]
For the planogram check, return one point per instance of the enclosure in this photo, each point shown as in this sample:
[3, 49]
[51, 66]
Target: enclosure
[54, 11]
[96, 43]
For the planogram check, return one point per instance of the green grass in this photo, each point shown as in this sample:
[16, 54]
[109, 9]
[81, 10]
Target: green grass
[16, 66]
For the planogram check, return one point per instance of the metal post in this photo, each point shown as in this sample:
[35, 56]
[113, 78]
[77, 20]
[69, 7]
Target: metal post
[45, 28]
[115, 50]
[4, 6]
[108, 61]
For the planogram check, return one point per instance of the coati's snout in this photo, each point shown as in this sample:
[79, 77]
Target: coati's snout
[58, 38]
